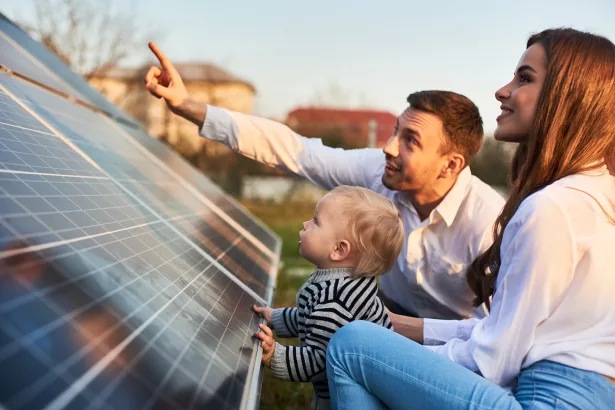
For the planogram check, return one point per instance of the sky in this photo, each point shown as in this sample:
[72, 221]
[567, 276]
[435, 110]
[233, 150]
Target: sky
[359, 53]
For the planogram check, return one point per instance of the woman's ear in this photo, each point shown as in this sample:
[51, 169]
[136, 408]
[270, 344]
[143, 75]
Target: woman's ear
[341, 251]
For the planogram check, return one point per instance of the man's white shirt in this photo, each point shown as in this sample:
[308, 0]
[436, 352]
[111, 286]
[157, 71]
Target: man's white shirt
[429, 275]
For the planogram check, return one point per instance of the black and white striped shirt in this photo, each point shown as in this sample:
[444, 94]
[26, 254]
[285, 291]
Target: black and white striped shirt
[328, 300]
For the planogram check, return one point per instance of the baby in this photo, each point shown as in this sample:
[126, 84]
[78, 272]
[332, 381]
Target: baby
[354, 236]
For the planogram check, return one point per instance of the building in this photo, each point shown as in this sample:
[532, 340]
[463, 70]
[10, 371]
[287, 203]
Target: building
[343, 127]
[336, 127]
[205, 82]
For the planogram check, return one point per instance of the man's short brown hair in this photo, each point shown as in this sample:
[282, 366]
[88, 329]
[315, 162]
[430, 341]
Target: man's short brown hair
[462, 123]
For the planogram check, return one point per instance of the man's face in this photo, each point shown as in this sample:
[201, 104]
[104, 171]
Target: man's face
[413, 153]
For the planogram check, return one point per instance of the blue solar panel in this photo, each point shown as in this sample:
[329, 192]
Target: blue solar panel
[126, 277]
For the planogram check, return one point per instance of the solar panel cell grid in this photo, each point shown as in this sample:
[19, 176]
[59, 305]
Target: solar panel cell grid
[120, 287]
[206, 187]
[103, 295]
[121, 160]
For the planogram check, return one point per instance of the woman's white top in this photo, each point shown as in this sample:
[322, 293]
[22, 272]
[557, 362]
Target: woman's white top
[555, 292]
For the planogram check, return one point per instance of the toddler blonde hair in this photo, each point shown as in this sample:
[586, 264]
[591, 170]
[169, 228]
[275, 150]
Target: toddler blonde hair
[374, 228]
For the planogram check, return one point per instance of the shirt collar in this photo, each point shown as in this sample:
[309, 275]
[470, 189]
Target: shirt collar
[449, 206]
[600, 170]
[447, 209]
[597, 183]
[322, 275]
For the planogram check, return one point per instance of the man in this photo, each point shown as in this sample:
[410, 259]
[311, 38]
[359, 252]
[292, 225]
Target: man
[448, 214]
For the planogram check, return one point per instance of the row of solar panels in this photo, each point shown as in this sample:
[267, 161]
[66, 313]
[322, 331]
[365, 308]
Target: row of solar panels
[126, 276]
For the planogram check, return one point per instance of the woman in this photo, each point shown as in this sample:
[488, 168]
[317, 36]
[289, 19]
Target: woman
[549, 342]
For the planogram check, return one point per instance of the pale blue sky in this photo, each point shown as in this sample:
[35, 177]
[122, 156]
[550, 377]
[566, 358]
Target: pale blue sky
[361, 53]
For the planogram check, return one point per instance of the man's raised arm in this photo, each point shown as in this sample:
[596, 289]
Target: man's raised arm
[263, 140]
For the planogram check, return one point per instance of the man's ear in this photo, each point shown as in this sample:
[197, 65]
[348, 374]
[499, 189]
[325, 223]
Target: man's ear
[454, 165]
[341, 251]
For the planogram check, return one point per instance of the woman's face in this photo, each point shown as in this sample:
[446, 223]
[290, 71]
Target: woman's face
[520, 96]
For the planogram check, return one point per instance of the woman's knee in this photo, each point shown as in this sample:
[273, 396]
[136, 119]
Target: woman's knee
[350, 337]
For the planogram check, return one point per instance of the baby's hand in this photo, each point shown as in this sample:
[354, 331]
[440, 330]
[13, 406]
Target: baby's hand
[267, 343]
[264, 312]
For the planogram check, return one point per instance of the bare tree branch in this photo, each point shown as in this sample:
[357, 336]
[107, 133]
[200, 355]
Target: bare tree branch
[92, 37]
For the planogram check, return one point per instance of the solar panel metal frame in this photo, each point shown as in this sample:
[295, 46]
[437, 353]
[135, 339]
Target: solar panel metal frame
[251, 393]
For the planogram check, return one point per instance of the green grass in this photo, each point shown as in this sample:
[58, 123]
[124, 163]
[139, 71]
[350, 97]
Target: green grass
[286, 221]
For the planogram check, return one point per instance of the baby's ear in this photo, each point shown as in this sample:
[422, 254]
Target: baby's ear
[341, 250]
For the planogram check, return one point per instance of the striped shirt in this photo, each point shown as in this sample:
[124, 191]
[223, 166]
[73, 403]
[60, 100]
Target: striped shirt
[328, 300]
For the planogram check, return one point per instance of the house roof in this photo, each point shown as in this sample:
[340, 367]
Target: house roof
[188, 71]
[320, 116]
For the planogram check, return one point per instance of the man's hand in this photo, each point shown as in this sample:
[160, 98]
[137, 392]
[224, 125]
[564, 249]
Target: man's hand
[267, 343]
[410, 327]
[165, 82]
[386, 309]
[264, 312]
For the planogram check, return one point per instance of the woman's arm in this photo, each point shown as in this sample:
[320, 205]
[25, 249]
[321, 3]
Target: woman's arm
[538, 255]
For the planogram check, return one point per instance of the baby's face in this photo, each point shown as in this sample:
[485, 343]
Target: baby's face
[320, 234]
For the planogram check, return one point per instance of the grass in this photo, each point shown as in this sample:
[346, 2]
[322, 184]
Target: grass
[286, 221]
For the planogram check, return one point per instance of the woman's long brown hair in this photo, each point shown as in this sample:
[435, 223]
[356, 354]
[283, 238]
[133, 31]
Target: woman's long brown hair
[573, 131]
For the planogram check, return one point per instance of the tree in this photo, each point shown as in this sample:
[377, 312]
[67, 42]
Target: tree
[492, 162]
[91, 37]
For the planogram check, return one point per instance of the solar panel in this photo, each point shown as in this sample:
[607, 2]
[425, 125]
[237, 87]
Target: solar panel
[126, 164]
[126, 277]
[205, 186]
[14, 59]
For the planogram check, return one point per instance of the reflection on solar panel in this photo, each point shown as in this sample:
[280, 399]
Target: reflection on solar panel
[126, 276]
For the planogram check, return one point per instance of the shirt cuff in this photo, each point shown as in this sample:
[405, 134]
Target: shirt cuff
[279, 370]
[278, 323]
[438, 332]
[218, 125]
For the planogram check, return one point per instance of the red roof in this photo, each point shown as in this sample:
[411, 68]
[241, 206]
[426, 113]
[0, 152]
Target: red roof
[354, 122]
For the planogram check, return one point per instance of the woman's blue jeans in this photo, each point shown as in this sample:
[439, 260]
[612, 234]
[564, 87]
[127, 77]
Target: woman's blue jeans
[370, 367]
